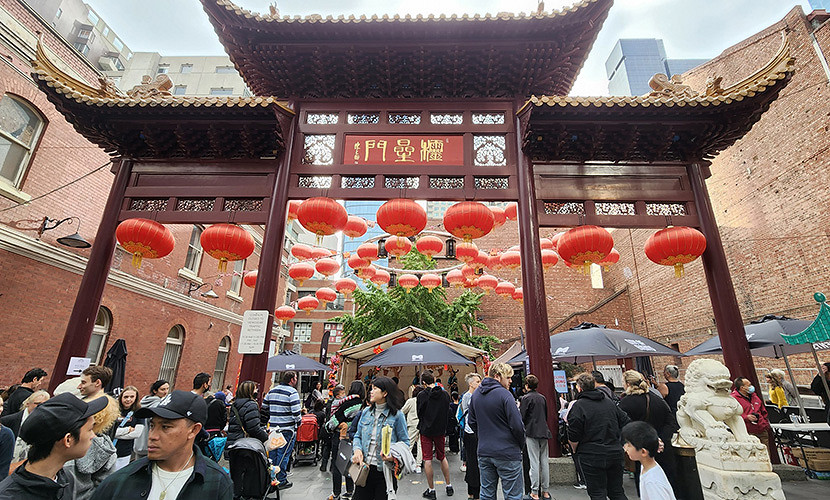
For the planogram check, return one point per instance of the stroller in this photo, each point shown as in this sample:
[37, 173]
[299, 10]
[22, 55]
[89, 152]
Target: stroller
[250, 468]
[307, 447]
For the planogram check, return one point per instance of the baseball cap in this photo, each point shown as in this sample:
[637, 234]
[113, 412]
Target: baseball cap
[53, 419]
[178, 404]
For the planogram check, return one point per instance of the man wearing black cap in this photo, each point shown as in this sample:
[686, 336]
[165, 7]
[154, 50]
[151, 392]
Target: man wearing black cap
[174, 468]
[58, 430]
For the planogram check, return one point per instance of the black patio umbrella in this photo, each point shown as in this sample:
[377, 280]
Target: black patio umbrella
[291, 361]
[588, 342]
[418, 351]
[116, 361]
[764, 337]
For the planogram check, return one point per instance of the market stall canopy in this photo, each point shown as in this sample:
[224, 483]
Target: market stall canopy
[588, 342]
[291, 361]
[418, 351]
[508, 355]
[367, 349]
[764, 337]
[818, 330]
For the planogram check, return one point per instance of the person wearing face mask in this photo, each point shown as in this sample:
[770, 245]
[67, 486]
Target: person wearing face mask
[755, 413]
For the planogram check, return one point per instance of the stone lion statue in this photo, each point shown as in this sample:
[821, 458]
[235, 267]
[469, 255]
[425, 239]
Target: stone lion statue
[707, 410]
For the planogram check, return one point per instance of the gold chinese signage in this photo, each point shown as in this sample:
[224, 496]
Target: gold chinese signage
[404, 150]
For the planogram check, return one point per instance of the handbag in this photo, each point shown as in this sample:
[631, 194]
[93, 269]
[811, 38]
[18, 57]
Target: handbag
[359, 474]
[344, 456]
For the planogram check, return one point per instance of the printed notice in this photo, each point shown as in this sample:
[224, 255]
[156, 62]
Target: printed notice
[560, 381]
[77, 365]
[252, 338]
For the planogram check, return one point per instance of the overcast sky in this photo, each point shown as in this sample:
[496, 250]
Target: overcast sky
[689, 28]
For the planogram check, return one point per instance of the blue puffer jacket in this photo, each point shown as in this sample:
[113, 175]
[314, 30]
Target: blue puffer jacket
[364, 430]
[496, 419]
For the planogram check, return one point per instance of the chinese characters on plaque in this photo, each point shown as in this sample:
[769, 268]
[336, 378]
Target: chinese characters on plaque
[404, 150]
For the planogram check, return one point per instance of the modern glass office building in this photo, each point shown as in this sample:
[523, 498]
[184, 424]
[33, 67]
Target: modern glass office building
[633, 62]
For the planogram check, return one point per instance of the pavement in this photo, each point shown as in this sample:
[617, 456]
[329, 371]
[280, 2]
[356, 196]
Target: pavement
[312, 484]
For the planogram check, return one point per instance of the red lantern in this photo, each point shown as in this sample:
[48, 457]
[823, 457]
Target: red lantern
[249, 278]
[320, 253]
[325, 295]
[518, 295]
[481, 260]
[511, 259]
[511, 211]
[397, 246]
[345, 286]
[381, 277]
[308, 303]
[285, 314]
[355, 262]
[612, 258]
[293, 207]
[466, 252]
[494, 261]
[468, 220]
[367, 273]
[430, 281]
[549, 259]
[468, 272]
[144, 238]
[355, 227]
[322, 216]
[301, 271]
[327, 266]
[429, 245]
[227, 242]
[471, 283]
[555, 239]
[408, 281]
[402, 217]
[499, 216]
[585, 245]
[505, 289]
[368, 251]
[675, 246]
[487, 282]
[545, 244]
[455, 278]
[301, 251]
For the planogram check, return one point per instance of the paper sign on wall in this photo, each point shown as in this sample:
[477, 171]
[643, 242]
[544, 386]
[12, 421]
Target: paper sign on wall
[252, 337]
[560, 381]
[77, 365]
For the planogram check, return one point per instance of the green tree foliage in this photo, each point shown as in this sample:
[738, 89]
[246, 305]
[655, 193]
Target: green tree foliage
[379, 311]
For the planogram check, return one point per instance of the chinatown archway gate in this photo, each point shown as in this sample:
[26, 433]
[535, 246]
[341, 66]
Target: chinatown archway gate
[464, 132]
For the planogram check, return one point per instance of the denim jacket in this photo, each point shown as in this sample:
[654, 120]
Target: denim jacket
[364, 430]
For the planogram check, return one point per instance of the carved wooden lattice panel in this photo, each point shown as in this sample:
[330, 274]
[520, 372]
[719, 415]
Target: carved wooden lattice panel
[492, 182]
[363, 118]
[614, 208]
[562, 208]
[149, 205]
[243, 205]
[446, 182]
[412, 182]
[195, 204]
[666, 209]
[488, 118]
[489, 150]
[405, 118]
[322, 118]
[318, 149]
[315, 181]
[357, 181]
[446, 118]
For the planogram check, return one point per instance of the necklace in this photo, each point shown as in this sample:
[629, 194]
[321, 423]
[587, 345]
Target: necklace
[163, 493]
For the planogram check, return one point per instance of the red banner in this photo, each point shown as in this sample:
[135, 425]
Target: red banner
[404, 150]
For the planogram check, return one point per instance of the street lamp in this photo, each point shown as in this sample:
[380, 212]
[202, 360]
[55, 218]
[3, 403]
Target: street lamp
[210, 294]
[73, 240]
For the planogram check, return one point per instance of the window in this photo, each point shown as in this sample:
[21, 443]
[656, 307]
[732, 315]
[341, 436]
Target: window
[100, 331]
[225, 70]
[221, 91]
[172, 353]
[81, 47]
[221, 364]
[118, 64]
[194, 251]
[302, 332]
[58, 14]
[162, 70]
[20, 127]
[236, 279]
[105, 31]
[180, 90]
[118, 44]
[336, 330]
[186, 68]
[93, 18]
[85, 34]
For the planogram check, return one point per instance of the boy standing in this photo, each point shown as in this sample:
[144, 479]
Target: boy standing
[641, 443]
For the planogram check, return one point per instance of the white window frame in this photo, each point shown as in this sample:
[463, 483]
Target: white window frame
[302, 336]
[172, 354]
[221, 368]
[163, 70]
[236, 279]
[30, 148]
[182, 88]
[195, 250]
[336, 335]
[187, 66]
[103, 325]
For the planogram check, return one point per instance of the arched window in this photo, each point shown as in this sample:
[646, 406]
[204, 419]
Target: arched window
[20, 127]
[103, 323]
[221, 364]
[172, 353]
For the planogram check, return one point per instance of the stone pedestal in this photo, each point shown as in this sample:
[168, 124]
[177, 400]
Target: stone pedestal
[721, 484]
[562, 470]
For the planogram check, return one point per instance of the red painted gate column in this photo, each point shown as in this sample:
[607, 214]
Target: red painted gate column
[254, 366]
[82, 320]
[537, 340]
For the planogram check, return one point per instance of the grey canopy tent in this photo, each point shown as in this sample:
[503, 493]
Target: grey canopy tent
[291, 361]
[589, 342]
[418, 351]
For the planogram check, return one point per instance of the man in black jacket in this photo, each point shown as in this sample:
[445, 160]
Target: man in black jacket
[31, 382]
[534, 410]
[594, 429]
[433, 407]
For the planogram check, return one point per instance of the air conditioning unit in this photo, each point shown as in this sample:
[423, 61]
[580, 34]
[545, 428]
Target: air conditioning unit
[107, 63]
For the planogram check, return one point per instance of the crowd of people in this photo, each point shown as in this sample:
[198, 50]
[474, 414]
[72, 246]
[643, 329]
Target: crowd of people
[167, 444]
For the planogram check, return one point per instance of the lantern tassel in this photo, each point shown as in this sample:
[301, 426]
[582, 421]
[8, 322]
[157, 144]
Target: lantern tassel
[586, 267]
[137, 260]
[678, 270]
[223, 265]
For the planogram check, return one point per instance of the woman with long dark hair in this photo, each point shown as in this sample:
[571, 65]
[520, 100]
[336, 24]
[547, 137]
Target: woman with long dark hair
[386, 401]
[158, 391]
[243, 422]
[343, 410]
[128, 427]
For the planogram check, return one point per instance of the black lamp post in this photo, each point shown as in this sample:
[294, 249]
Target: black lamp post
[73, 240]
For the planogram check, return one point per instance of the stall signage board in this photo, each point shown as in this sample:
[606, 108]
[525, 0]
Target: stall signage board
[560, 381]
[252, 337]
[404, 150]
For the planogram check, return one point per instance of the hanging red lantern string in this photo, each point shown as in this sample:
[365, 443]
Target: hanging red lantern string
[285, 314]
[585, 245]
[555, 240]
[398, 246]
[356, 263]
[322, 216]
[402, 217]
[227, 242]
[675, 246]
[308, 303]
[505, 289]
[511, 211]
[511, 259]
[468, 272]
[249, 278]
[301, 271]
[429, 245]
[471, 283]
[368, 251]
[499, 216]
[293, 207]
[325, 295]
[408, 281]
[468, 220]
[518, 295]
[481, 260]
[549, 259]
[320, 253]
[144, 238]
[355, 227]
[545, 244]
[487, 283]
[301, 251]
[345, 286]
[430, 281]
[455, 278]
[327, 266]
[466, 252]
[612, 258]
[381, 277]
[367, 273]
[494, 261]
